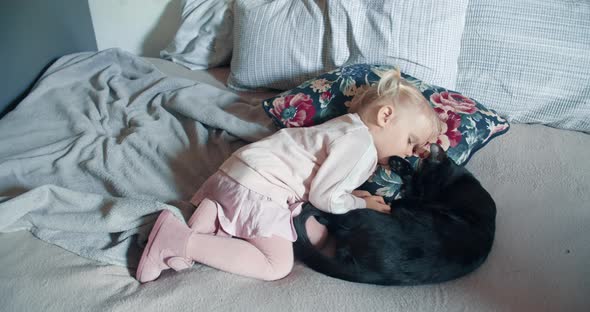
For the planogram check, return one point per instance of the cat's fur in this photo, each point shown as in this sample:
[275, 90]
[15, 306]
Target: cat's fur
[442, 229]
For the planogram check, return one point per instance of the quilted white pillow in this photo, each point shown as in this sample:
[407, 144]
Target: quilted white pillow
[280, 43]
[204, 38]
[529, 60]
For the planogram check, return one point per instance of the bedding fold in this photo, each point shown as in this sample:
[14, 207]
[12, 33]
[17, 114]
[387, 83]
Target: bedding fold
[104, 141]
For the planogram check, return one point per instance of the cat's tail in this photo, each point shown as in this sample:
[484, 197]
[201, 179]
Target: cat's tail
[317, 261]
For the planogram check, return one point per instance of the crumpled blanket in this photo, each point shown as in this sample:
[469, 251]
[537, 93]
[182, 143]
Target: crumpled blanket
[104, 141]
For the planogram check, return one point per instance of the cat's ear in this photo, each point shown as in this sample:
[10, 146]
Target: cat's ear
[437, 153]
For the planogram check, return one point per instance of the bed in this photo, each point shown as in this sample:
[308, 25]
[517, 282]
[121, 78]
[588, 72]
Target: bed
[107, 138]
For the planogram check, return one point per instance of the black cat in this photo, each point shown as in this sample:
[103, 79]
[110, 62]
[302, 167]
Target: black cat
[442, 229]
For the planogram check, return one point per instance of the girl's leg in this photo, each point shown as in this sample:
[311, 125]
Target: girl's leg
[318, 236]
[262, 258]
[204, 219]
[316, 232]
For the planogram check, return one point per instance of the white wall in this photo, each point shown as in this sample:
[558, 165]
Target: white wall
[143, 27]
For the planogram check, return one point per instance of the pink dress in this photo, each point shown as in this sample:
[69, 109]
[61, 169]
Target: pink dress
[262, 186]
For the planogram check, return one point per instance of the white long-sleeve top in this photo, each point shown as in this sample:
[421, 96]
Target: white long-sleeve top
[322, 164]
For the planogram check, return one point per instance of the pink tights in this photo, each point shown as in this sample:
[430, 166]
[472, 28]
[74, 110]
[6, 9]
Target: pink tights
[265, 258]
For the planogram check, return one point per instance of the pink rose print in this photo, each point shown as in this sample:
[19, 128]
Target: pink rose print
[451, 101]
[294, 110]
[450, 135]
[325, 98]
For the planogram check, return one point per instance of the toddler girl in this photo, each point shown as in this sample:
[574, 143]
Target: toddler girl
[243, 220]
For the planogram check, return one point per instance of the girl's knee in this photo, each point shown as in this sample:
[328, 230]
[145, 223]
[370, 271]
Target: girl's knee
[279, 270]
[278, 254]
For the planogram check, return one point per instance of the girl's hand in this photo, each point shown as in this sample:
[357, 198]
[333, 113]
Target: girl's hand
[377, 203]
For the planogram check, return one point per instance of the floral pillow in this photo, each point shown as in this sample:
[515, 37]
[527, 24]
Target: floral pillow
[467, 124]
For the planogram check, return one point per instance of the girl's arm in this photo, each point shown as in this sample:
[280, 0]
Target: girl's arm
[349, 162]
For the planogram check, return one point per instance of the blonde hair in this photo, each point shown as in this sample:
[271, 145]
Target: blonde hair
[402, 94]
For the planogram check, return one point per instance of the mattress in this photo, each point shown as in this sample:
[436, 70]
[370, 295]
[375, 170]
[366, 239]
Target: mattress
[539, 177]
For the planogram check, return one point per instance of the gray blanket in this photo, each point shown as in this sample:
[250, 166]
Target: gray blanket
[103, 142]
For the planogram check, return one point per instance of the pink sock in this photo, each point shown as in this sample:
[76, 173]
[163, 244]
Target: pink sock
[262, 258]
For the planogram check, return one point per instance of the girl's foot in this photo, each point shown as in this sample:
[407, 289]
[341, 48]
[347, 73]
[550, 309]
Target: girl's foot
[166, 248]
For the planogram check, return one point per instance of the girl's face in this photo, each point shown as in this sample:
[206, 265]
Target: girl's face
[402, 135]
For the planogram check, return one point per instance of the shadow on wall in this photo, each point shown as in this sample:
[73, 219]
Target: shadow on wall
[34, 34]
[164, 30]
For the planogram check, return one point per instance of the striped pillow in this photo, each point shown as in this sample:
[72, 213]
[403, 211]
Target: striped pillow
[281, 43]
[529, 60]
[203, 39]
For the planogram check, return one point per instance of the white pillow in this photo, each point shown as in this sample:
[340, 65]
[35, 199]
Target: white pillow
[281, 43]
[204, 38]
[529, 60]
